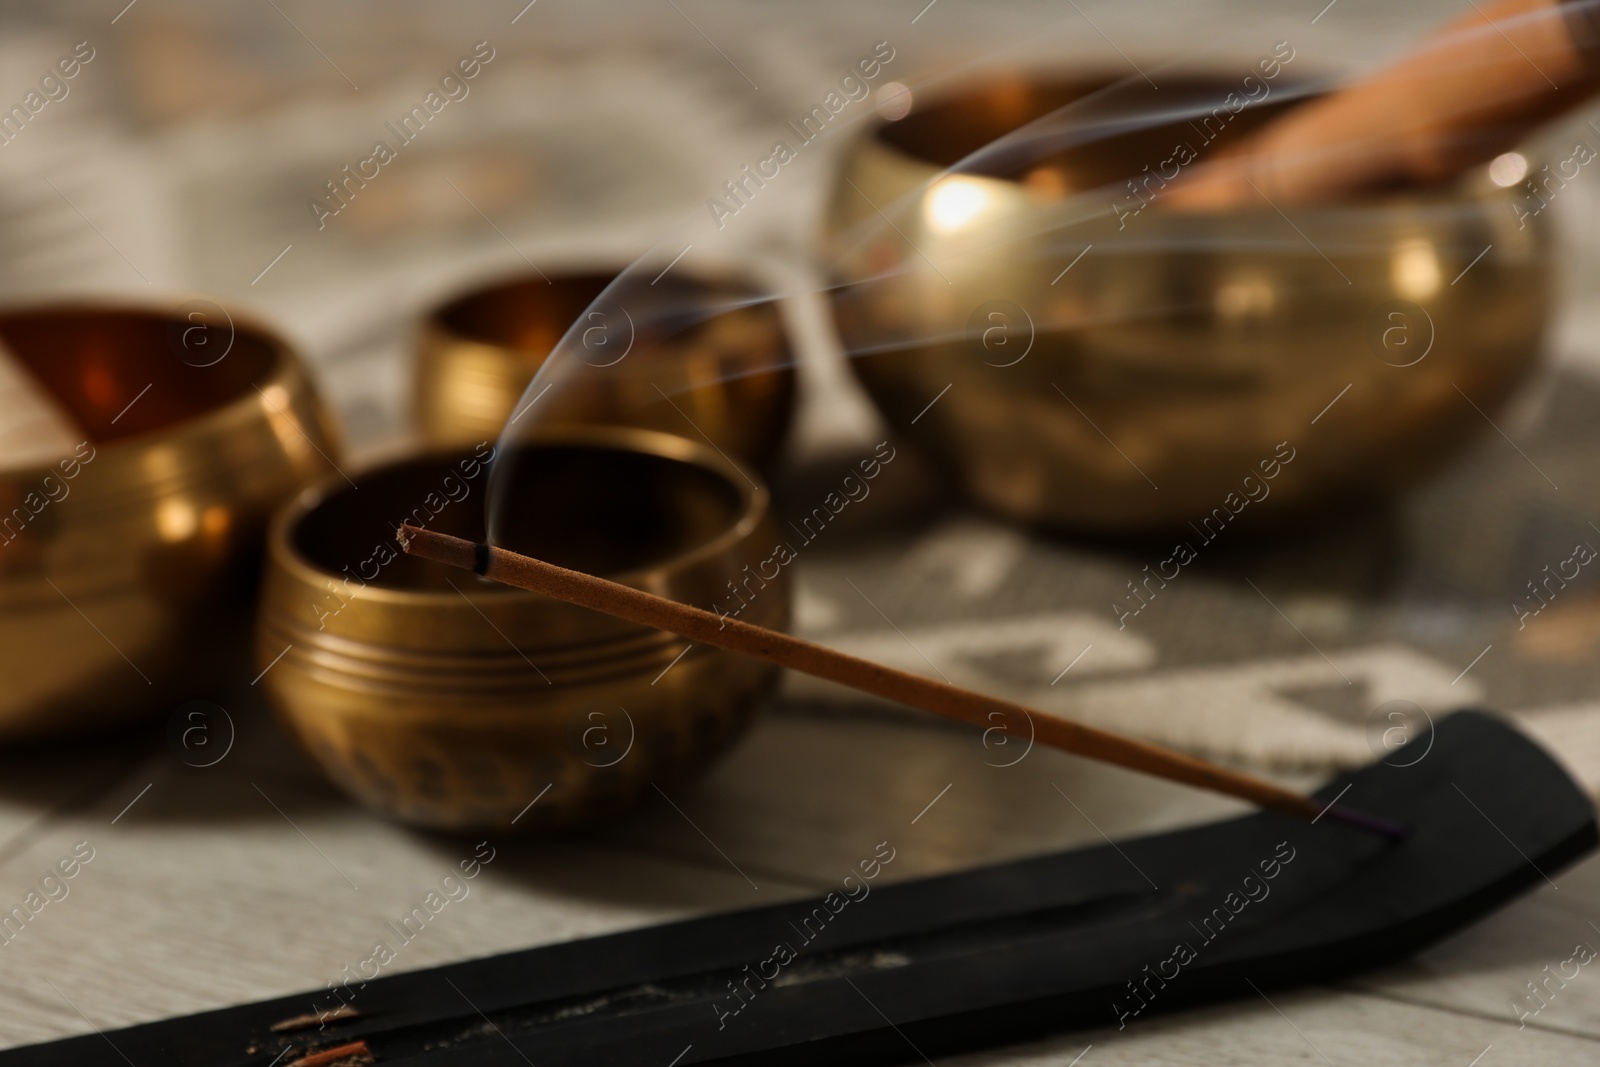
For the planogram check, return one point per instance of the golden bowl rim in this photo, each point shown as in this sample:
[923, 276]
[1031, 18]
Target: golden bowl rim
[432, 330]
[755, 502]
[869, 139]
[287, 369]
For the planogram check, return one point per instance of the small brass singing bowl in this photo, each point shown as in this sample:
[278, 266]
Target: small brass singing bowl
[445, 701]
[128, 569]
[1132, 389]
[478, 352]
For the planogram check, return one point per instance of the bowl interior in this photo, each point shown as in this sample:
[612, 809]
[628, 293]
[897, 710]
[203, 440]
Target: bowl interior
[601, 509]
[528, 315]
[95, 361]
[1115, 127]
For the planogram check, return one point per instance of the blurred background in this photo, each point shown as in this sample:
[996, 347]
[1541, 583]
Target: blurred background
[187, 152]
[190, 148]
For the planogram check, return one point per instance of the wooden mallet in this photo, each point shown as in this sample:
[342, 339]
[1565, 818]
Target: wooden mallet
[1465, 94]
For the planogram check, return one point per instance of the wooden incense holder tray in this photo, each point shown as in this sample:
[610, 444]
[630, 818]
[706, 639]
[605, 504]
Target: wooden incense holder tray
[1095, 937]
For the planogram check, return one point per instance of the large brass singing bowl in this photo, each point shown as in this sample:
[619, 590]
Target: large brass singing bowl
[441, 700]
[1133, 389]
[128, 569]
[478, 352]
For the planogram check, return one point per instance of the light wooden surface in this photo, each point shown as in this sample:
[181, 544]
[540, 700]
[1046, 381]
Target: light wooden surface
[253, 878]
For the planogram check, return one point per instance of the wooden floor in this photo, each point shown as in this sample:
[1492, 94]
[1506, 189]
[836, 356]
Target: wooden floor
[254, 878]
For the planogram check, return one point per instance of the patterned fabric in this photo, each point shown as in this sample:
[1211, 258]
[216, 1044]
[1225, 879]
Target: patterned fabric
[1354, 634]
[186, 155]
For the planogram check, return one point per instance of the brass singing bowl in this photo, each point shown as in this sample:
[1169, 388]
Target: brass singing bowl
[128, 570]
[445, 701]
[478, 352]
[1132, 390]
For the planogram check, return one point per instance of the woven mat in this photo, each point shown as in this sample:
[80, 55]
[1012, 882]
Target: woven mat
[187, 152]
[1309, 651]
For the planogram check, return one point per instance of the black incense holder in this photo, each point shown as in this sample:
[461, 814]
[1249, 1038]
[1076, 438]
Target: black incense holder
[1098, 937]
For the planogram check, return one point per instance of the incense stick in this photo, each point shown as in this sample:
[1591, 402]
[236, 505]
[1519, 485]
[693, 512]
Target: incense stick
[937, 697]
